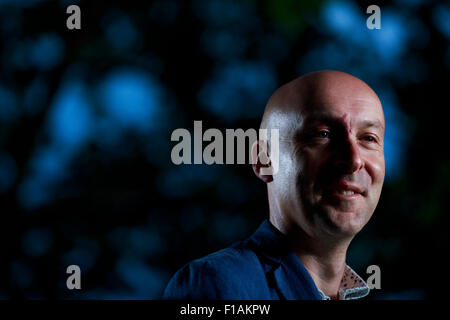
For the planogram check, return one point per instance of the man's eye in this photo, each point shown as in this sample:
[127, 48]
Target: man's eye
[324, 134]
[369, 139]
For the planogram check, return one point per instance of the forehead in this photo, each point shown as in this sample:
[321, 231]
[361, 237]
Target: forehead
[349, 110]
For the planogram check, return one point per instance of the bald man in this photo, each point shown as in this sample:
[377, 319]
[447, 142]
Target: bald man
[329, 181]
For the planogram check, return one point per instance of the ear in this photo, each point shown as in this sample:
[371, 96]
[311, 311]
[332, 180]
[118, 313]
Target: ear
[261, 161]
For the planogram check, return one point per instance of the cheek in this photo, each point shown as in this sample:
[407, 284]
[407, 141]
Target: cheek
[375, 166]
[310, 165]
[289, 168]
[294, 171]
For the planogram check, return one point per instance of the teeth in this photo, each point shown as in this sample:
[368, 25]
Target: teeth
[346, 193]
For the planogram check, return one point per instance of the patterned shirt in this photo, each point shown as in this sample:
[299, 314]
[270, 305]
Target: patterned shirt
[352, 286]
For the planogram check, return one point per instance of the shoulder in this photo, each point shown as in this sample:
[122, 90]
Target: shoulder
[219, 275]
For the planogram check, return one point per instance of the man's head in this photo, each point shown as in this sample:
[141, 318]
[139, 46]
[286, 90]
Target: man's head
[331, 154]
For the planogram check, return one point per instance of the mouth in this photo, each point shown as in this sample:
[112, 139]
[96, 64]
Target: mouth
[345, 191]
[344, 194]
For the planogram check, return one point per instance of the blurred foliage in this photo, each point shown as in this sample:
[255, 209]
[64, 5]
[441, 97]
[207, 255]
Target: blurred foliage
[86, 118]
[290, 15]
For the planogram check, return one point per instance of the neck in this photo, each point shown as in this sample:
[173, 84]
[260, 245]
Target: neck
[326, 266]
[323, 257]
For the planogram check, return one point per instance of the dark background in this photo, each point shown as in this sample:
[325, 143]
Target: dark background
[86, 118]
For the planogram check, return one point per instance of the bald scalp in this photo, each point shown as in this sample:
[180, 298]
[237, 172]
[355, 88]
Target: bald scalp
[284, 108]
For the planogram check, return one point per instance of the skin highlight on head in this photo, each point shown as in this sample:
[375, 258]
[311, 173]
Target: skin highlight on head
[331, 167]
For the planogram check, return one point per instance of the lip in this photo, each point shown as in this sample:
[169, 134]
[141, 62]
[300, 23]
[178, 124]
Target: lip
[340, 196]
[333, 191]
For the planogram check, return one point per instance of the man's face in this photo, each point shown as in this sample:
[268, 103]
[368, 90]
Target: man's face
[332, 164]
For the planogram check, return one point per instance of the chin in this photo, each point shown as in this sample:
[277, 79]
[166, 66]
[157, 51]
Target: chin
[345, 223]
[347, 231]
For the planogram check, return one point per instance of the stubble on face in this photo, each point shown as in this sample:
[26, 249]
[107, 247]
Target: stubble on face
[315, 169]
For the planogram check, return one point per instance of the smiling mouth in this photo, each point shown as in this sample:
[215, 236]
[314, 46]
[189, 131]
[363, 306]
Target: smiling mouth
[337, 197]
[344, 193]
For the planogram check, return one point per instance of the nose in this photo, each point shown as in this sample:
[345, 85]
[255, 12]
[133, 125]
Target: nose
[349, 156]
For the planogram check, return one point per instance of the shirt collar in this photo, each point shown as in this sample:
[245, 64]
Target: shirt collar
[352, 286]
